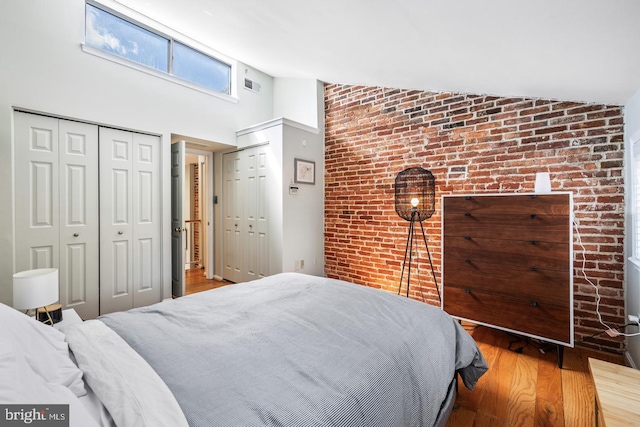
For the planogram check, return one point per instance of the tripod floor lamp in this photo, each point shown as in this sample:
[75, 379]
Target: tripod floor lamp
[415, 202]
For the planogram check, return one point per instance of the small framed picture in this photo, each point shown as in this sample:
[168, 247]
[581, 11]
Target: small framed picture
[304, 171]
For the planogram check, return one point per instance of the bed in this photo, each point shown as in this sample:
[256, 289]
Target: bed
[286, 350]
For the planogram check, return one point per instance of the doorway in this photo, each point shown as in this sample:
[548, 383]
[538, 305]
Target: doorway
[194, 212]
[191, 215]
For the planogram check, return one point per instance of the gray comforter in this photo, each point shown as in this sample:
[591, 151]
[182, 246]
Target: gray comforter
[298, 350]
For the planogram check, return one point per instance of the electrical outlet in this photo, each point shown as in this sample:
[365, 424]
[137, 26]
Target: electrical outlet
[634, 319]
[301, 264]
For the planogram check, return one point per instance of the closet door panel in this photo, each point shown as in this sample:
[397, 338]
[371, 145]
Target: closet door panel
[120, 199]
[120, 281]
[250, 213]
[232, 217]
[262, 212]
[79, 228]
[73, 282]
[227, 220]
[36, 192]
[146, 220]
[43, 186]
[39, 257]
[237, 195]
[245, 207]
[116, 211]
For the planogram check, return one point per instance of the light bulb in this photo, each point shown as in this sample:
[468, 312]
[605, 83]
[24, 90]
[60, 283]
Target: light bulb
[414, 202]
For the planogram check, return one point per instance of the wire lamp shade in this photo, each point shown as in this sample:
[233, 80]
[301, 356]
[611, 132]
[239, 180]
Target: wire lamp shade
[415, 194]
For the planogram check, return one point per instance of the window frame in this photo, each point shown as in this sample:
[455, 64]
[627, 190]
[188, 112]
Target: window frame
[175, 42]
[634, 193]
[158, 29]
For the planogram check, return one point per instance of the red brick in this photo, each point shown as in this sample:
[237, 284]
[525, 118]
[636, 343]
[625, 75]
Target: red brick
[366, 146]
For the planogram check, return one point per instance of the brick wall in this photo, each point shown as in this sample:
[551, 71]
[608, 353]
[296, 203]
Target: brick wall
[471, 144]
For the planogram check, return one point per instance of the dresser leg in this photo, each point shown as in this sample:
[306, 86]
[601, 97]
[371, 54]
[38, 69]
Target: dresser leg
[560, 351]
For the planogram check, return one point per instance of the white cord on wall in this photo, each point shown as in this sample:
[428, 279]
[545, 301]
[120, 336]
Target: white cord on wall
[610, 331]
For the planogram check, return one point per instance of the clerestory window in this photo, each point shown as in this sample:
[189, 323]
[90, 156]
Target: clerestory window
[128, 39]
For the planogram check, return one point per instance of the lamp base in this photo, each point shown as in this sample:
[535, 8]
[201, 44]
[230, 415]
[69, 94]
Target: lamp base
[50, 314]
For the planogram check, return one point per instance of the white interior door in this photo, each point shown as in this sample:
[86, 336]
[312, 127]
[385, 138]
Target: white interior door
[256, 214]
[262, 212]
[37, 206]
[177, 220]
[232, 194]
[56, 178]
[79, 227]
[147, 209]
[250, 211]
[116, 220]
[130, 210]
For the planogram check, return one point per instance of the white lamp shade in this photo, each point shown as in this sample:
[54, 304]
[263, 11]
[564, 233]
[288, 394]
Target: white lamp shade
[35, 288]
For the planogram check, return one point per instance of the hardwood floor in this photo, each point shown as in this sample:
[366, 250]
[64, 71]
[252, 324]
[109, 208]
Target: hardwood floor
[527, 389]
[196, 282]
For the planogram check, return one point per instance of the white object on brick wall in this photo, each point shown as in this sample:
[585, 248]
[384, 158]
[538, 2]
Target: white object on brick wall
[543, 182]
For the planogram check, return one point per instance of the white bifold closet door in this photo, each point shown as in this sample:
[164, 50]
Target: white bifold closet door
[56, 205]
[130, 220]
[233, 248]
[245, 207]
[255, 213]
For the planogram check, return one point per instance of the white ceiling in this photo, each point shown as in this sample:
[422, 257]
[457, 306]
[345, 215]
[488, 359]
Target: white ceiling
[578, 50]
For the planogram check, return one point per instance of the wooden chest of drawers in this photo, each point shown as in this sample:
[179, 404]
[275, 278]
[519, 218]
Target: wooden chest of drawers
[507, 263]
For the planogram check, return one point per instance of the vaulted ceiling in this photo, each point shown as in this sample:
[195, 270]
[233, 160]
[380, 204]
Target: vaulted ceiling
[578, 50]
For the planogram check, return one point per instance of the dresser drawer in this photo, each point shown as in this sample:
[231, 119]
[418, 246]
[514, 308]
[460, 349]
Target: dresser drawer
[517, 314]
[523, 254]
[527, 227]
[532, 204]
[548, 286]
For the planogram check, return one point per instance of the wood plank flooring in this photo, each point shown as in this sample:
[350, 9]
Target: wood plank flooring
[527, 389]
[196, 282]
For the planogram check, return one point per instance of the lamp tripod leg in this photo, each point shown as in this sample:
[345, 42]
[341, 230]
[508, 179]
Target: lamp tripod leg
[411, 231]
[404, 261]
[435, 280]
[408, 250]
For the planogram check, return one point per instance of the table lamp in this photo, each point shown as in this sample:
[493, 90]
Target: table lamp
[37, 289]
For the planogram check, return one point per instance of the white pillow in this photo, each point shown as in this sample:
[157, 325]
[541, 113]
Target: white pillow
[133, 393]
[43, 347]
[19, 384]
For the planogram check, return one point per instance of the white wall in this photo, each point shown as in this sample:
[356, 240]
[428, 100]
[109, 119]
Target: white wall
[294, 99]
[44, 69]
[303, 213]
[302, 101]
[632, 287]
